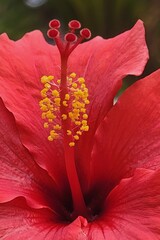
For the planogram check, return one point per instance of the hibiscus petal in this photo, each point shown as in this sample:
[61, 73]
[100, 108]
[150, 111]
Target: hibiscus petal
[132, 209]
[129, 136]
[18, 221]
[20, 175]
[22, 64]
[104, 63]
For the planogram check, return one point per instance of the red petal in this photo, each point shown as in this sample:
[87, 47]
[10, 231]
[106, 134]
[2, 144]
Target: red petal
[133, 207]
[19, 174]
[129, 137]
[132, 210]
[18, 221]
[104, 63]
[22, 64]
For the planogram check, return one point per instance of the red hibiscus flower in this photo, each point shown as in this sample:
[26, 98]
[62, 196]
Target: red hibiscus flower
[73, 166]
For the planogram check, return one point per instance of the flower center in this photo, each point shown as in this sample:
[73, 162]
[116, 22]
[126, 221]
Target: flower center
[64, 108]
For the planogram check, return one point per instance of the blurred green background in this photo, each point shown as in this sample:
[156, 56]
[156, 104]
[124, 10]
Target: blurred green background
[104, 17]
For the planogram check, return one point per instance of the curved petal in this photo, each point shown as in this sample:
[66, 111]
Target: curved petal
[18, 221]
[132, 210]
[19, 174]
[129, 137]
[22, 64]
[104, 63]
[136, 201]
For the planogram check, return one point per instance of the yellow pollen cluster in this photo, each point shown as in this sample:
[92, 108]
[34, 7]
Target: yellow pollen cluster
[77, 114]
[71, 108]
[49, 105]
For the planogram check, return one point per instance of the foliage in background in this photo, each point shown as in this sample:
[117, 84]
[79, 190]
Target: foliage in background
[104, 17]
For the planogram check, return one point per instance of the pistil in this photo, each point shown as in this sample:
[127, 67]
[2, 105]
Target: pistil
[65, 47]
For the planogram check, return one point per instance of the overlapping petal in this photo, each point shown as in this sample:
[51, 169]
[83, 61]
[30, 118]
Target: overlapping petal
[104, 63]
[132, 210]
[18, 221]
[22, 64]
[129, 136]
[20, 175]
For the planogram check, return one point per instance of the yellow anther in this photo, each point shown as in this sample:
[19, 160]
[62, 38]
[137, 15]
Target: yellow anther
[58, 81]
[78, 123]
[43, 115]
[77, 104]
[46, 125]
[67, 96]
[76, 116]
[75, 110]
[46, 100]
[44, 108]
[85, 90]
[44, 92]
[53, 134]
[78, 93]
[85, 116]
[57, 101]
[81, 80]
[83, 110]
[70, 80]
[69, 132]
[65, 103]
[55, 93]
[64, 116]
[40, 102]
[50, 138]
[85, 128]
[74, 85]
[85, 96]
[87, 101]
[83, 86]
[84, 122]
[72, 75]
[50, 77]
[44, 79]
[50, 107]
[76, 137]
[47, 85]
[50, 115]
[70, 114]
[57, 127]
[71, 144]
[79, 132]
